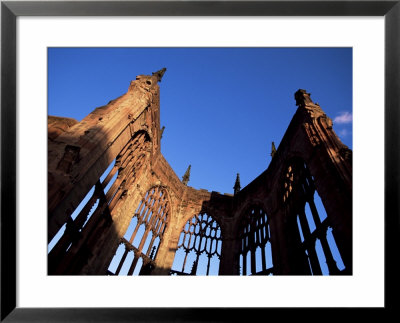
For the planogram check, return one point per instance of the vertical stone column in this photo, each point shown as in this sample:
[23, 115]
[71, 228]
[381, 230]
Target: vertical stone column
[229, 262]
[330, 164]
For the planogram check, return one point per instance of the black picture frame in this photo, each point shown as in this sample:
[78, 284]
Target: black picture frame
[10, 10]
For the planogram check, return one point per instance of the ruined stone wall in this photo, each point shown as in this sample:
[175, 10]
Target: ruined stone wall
[79, 153]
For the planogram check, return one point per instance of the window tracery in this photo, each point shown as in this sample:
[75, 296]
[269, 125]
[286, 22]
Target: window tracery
[315, 232]
[143, 235]
[95, 211]
[199, 247]
[255, 256]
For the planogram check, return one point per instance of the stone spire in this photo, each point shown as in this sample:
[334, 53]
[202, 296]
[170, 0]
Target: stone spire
[273, 150]
[302, 98]
[186, 176]
[236, 188]
[159, 74]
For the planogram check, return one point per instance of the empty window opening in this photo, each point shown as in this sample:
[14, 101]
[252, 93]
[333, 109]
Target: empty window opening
[255, 244]
[131, 228]
[310, 220]
[335, 250]
[56, 238]
[300, 230]
[321, 258]
[320, 207]
[268, 255]
[316, 244]
[198, 247]
[248, 263]
[117, 258]
[139, 235]
[144, 232]
[138, 267]
[127, 264]
[259, 265]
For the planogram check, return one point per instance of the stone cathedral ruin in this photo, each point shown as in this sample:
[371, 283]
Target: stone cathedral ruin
[114, 199]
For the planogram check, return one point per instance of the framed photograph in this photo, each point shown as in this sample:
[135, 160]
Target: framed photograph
[353, 45]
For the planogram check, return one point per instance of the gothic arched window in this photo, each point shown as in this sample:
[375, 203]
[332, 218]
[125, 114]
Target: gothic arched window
[255, 256]
[94, 212]
[316, 240]
[199, 247]
[140, 243]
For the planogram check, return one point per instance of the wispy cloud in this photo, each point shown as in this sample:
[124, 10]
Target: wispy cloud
[343, 133]
[343, 118]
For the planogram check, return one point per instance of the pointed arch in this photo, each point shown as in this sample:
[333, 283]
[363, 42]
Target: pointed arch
[144, 236]
[199, 247]
[304, 209]
[254, 241]
[94, 214]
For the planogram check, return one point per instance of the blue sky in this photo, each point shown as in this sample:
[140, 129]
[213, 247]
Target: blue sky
[222, 107]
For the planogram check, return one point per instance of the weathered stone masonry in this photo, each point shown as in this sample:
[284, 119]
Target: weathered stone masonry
[266, 216]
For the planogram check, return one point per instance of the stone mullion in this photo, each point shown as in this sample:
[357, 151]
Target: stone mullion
[149, 227]
[330, 261]
[59, 250]
[124, 152]
[190, 240]
[94, 217]
[217, 241]
[257, 231]
[314, 213]
[146, 214]
[144, 237]
[118, 187]
[139, 223]
[309, 242]
[133, 265]
[109, 176]
[132, 160]
[153, 238]
[83, 214]
[161, 226]
[122, 261]
[253, 247]
[84, 234]
[184, 260]
[116, 198]
[122, 176]
[208, 264]
[197, 259]
[131, 179]
[127, 165]
[155, 211]
[159, 218]
[60, 246]
[244, 257]
[123, 165]
[137, 170]
[114, 188]
[161, 221]
[142, 206]
[149, 208]
[127, 157]
[145, 208]
[66, 239]
[264, 243]
[138, 140]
